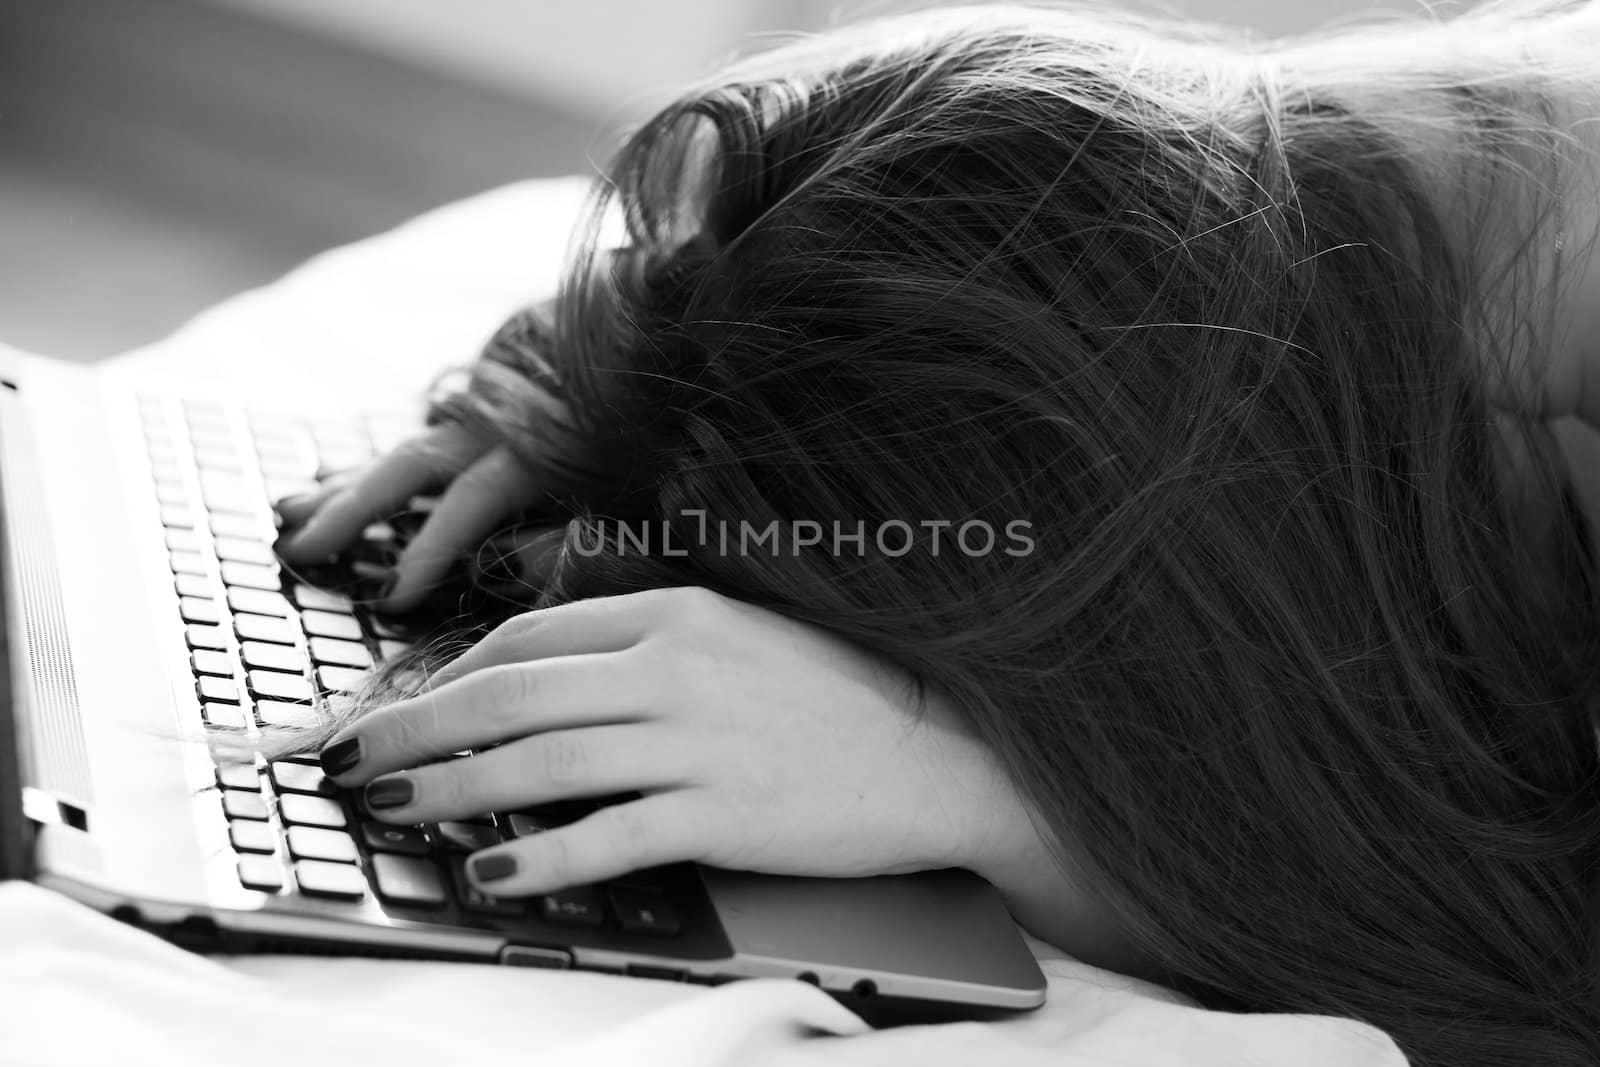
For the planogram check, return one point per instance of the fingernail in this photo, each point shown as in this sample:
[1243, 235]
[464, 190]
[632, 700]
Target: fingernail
[391, 792]
[494, 866]
[340, 756]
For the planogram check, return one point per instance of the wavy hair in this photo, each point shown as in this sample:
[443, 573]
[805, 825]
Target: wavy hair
[1300, 669]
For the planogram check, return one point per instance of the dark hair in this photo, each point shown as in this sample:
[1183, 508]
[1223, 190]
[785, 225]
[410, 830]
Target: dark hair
[1295, 672]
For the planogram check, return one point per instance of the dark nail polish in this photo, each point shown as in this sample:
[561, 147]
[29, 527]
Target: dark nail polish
[493, 867]
[340, 756]
[391, 792]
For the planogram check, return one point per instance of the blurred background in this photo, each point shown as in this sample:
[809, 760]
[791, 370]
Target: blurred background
[157, 156]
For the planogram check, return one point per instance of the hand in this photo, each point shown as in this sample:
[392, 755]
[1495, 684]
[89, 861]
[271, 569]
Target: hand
[757, 742]
[486, 486]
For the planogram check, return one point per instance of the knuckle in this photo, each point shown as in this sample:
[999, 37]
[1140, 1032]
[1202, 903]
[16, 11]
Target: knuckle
[671, 666]
[414, 732]
[630, 835]
[447, 788]
[696, 605]
[502, 692]
[512, 631]
[562, 760]
[556, 854]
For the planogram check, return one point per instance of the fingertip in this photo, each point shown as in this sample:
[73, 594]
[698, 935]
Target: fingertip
[340, 756]
[297, 508]
[492, 869]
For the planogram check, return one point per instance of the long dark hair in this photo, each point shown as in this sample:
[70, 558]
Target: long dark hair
[1293, 671]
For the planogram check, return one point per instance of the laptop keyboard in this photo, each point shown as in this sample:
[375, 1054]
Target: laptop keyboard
[266, 649]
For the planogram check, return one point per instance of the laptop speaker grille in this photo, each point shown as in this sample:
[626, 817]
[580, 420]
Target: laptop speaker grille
[59, 761]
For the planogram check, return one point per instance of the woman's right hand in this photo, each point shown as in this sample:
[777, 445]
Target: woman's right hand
[484, 484]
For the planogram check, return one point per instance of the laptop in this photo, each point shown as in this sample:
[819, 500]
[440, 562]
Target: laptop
[143, 611]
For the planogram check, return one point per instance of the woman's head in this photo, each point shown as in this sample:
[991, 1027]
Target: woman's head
[1271, 666]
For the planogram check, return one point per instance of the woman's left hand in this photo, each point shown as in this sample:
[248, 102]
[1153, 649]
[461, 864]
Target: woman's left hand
[757, 742]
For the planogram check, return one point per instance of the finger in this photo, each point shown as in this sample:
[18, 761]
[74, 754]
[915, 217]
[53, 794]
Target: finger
[599, 624]
[485, 708]
[481, 498]
[594, 761]
[294, 510]
[659, 829]
[412, 468]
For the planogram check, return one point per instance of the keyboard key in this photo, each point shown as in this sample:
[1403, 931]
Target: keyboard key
[342, 437]
[340, 679]
[220, 689]
[237, 804]
[404, 840]
[238, 575]
[275, 685]
[644, 913]
[261, 872]
[522, 824]
[286, 466]
[467, 836]
[577, 906]
[300, 778]
[176, 516]
[167, 472]
[259, 602]
[224, 716]
[246, 550]
[250, 836]
[239, 776]
[172, 494]
[237, 527]
[408, 880]
[315, 843]
[283, 488]
[338, 880]
[327, 624]
[227, 492]
[303, 810]
[273, 657]
[309, 596]
[332, 651]
[188, 563]
[211, 457]
[293, 716]
[264, 628]
[180, 540]
[476, 902]
[195, 585]
[195, 609]
[210, 661]
[203, 635]
[389, 628]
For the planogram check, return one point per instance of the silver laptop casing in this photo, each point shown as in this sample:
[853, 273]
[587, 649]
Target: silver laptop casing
[119, 786]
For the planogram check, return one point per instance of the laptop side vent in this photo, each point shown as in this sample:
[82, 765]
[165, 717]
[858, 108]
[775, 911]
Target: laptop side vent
[59, 762]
